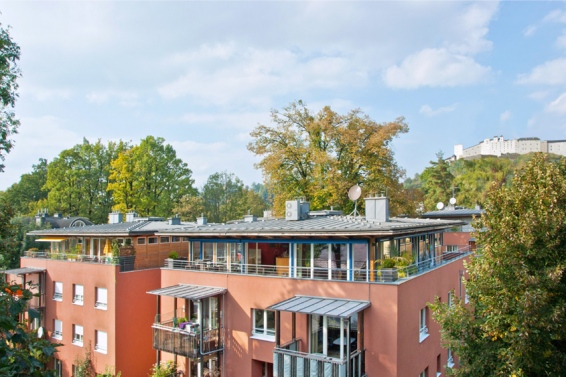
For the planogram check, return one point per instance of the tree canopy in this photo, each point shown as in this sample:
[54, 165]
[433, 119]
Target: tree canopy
[320, 156]
[9, 73]
[514, 322]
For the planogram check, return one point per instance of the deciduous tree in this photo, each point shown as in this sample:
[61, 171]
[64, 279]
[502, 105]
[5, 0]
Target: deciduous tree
[320, 156]
[29, 190]
[514, 322]
[9, 73]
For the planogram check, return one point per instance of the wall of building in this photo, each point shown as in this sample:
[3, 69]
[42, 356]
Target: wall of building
[153, 255]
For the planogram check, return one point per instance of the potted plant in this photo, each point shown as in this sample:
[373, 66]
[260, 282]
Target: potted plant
[387, 270]
[171, 259]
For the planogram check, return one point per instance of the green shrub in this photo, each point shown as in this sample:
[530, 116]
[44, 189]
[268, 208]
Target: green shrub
[173, 255]
[164, 369]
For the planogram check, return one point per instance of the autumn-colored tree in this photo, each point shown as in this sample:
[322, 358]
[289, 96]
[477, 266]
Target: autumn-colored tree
[320, 156]
[514, 322]
[150, 179]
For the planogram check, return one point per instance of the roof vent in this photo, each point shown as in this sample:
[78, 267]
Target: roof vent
[176, 220]
[115, 217]
[201, 220]
[296, 210]
[131, 216]
[250, 218]
[377, 209]
[267, 214]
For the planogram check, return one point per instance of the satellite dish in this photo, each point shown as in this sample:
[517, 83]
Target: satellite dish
[452, 201]
[40, 332]
[355, 192]
[440, 205]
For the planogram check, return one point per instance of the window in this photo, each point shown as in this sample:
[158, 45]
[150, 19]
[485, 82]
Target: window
[185, 239]
[424, 373]
[452, 248]
[78, 335]
[151, 240]
[57, 329]
[450, 298]
[141, 241]
[450, 360]
[101, 298]
[264, 323]
[423, 330]
[175, 239]
[58, 291]
[58, 367]
[78, 294]
[164, 240]
[101, 344]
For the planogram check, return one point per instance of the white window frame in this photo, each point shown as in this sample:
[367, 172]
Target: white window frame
[450, 359]
[78, 335]
[58, 291]
[263, 332]
[99, 303]
[164, 239]
[141, 241]
[99, 337]
[151, 242]
[78, 294]
[450, 298]
[423, 329]
[57, 329]
[452, 248]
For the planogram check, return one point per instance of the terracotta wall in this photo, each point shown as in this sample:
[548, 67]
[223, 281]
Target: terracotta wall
[456, 238]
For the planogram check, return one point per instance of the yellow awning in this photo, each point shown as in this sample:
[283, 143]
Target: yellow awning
[50, 239]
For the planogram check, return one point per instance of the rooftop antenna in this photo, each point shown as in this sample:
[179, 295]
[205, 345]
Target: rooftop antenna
[354, 194]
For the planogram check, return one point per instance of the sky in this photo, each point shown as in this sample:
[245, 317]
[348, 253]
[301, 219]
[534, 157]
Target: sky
[203, 75]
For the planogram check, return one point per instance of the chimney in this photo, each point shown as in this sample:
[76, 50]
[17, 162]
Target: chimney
[201, 220]
[40, 217]
[57, 215]
[115, 217]
[131, 216]
[176, 220]
[250, 218]
[267, 214]
[377, 209]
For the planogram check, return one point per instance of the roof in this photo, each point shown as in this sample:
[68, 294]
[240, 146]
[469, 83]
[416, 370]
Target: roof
[314, 226]
[24, 271]
[189, 291]
[117, 229]
[334, 307]
[450, 213]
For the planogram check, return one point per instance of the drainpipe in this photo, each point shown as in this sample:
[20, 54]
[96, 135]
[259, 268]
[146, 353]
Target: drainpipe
[347, 347]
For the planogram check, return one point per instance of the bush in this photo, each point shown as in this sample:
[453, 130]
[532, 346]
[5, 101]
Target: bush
[173, 255]
[164, 369]
[388, 263]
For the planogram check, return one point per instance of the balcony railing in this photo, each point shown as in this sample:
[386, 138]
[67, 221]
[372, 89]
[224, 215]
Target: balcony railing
[359, 274]
[289, 362]
[183, 342]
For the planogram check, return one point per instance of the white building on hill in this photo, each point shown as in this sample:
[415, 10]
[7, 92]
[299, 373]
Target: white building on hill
[498, 146]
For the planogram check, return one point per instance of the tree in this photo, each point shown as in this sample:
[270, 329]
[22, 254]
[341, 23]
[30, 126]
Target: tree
[150, 179]
[320, 156]
[9, 73]
[22, 353]
[190, 207]
[437, 182]
[9, 250]
[514, 322]
[77, 180]
[29, 190]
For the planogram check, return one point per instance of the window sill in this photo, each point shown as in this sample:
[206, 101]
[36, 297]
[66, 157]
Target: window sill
[58, 337]
[267, 338]
[422, 337]
[79, 303]
[77, 343]
[100, 350]
[101, 307]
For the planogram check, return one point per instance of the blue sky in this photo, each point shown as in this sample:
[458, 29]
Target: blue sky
[204, 74]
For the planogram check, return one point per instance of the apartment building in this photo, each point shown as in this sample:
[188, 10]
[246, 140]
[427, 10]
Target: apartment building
[499, 146]
[314, 294]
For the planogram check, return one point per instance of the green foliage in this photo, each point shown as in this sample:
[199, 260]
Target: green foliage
[320, 156]
[173, 255]
[149, 179]
[9, 250]
[437, 182]
[77, 180]
[22, 353]
[514, 323]
[164, 369]
[109, 372]
[388, 263]
[29, 190]
[9, 73]
[83, 365]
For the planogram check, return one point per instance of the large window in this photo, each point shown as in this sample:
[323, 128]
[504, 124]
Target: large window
[328, 335]
[101, 341]
[101, 298]
[78, 294]
[58, 291]
[423, 329]
[264, 323]
[78, 335]
[57, 329]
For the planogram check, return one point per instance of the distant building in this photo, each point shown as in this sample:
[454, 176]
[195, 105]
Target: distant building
[498, 146]
[457, 236]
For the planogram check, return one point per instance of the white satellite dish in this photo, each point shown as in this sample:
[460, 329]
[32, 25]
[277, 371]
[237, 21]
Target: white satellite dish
[452, 201]
[355, 192]
[440, 205]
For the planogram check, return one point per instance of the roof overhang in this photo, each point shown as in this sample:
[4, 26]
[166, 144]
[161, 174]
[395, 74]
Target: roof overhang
[333, 307]
[189, 291]
[24, 271]
[50, 239]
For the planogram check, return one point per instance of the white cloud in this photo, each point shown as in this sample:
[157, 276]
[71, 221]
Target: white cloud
[530, 30]
[555, 16]
[505, 116]
[552, 72]
[429, 112]
[245, 121]
[435, 68]
[45, 94]
[558, 105]
[124, 98]
[539, 95]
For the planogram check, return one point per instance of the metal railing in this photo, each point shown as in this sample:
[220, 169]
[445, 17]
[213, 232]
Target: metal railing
[381, 275]
[71, 257]
[289, 362]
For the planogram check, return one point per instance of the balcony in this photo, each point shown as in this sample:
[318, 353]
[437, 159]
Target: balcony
[126, 263]
[289, 362]
[187, 341]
